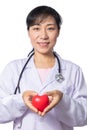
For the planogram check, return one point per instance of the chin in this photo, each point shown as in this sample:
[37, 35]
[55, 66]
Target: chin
[45, 52]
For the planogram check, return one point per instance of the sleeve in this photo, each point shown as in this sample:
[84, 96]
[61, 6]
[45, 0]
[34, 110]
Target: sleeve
[72, 111]
[11, 106]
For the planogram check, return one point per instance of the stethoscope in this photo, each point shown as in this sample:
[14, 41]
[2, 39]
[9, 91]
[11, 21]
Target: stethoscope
[58, 77]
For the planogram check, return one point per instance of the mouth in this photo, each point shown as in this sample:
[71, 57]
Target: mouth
[43, 44]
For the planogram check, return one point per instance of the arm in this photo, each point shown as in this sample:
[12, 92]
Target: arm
[73, 110]
[11, 106]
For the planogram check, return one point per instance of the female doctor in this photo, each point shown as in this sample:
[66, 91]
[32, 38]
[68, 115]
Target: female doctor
[44, 71]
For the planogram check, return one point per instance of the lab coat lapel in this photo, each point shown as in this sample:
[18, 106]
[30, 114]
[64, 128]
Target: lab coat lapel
[35, 77]
[55, 71]
[51, 77]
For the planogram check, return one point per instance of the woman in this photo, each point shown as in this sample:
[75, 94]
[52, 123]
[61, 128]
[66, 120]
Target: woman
[67, 91]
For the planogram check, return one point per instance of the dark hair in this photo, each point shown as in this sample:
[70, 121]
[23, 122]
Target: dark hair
[41, 12]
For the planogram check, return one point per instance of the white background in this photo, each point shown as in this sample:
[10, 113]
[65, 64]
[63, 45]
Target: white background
[14, 42]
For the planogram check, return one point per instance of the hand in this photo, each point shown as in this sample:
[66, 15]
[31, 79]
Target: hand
[27, 97]
[55, 97]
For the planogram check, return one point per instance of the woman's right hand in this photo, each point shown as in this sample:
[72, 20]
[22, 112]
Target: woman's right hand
[27, 97]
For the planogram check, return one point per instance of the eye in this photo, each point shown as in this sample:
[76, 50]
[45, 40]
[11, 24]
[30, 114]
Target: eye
[51, 28]
[36, 28]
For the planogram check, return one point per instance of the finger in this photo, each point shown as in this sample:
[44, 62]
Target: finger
[34, 93]
[50, 93]
[47, 109]
[39, 113]
[30, 106]
[50, 98]
[50, 106]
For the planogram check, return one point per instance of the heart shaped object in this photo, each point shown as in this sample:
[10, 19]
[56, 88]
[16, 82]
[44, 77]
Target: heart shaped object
[40, 102]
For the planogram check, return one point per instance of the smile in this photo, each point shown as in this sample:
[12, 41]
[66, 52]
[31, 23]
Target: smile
[43, 44]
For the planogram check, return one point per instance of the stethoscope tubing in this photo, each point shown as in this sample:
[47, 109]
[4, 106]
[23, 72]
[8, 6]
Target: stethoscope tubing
[20, 76]
[22, 71]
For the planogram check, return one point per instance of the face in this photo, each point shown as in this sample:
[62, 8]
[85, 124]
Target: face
[44, 35]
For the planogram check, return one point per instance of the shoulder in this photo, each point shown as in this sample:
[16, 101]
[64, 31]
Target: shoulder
[70, 64]
[15, 65]
[67, 64]
[17, 62]
[71, 69]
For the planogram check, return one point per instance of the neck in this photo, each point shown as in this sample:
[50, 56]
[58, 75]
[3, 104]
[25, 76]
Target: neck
[44, 60]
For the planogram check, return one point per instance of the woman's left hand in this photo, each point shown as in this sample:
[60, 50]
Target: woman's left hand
[55, 97]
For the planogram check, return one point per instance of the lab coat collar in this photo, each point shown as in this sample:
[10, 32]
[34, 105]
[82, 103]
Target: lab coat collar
[62, 62]
[51, 77]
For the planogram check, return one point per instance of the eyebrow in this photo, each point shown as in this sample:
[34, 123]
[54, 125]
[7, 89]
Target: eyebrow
[38, 24]
[50, 24]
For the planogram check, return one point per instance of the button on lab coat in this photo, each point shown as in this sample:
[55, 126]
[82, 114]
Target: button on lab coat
[70, 112]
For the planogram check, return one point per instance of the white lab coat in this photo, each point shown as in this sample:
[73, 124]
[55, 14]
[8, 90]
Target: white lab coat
[70, 112]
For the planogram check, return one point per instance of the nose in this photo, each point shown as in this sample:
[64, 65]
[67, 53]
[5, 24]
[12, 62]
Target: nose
[44, 34]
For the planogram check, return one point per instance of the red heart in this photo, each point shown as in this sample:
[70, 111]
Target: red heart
[40, 102]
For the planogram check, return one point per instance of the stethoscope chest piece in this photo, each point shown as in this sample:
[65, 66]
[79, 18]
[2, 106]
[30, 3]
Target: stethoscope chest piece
[59, 78]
